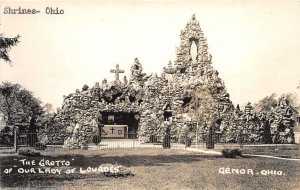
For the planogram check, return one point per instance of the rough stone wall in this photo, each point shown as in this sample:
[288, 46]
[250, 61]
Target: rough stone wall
[173, 92]
[275, 126]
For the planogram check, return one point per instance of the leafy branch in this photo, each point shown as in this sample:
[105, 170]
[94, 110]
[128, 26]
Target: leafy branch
[5, 46]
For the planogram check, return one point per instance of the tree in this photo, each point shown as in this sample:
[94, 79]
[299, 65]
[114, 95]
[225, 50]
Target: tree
[19, 105]
[266, 104]
[48, 108]
[270, 102]
[205, 106]
[291, 98]
[5, 46]
[7, 99]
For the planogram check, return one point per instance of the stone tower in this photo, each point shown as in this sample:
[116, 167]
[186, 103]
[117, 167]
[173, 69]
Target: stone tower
[192, 37]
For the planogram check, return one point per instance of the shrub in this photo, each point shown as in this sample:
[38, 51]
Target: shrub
[237, 152]
[40, 146]
[28, 152]
[84, 146]
[231, 153]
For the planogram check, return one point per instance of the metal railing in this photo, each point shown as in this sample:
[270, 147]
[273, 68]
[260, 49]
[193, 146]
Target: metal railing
[133, 140]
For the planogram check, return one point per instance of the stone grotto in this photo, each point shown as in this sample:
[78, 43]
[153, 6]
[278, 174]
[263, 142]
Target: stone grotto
[187, 96]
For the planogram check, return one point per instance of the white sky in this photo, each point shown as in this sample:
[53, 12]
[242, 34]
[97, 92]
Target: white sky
[255, 46]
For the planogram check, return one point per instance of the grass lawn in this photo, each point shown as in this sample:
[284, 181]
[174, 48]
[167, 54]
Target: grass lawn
[154, 169]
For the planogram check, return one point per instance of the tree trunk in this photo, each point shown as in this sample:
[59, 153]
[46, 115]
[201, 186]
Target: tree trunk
[8, 111]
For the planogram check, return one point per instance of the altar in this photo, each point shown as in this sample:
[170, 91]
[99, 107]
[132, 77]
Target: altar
[114, 131]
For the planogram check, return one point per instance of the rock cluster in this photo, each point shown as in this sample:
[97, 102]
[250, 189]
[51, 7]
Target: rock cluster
[174, 91]
[275, 126]
[77, 121]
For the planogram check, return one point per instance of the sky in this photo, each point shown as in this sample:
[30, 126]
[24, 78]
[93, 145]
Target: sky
[255, 44]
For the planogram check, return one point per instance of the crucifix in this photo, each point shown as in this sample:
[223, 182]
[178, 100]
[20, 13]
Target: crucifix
[112, 130]
[117, 71]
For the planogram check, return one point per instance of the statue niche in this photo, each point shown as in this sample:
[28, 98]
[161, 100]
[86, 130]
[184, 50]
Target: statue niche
[193, 54]
[193, 51]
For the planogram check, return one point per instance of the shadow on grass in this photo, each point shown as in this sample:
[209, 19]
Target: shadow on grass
[135, 160]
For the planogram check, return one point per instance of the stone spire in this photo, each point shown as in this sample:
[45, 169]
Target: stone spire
[192, 42]
[136, 72]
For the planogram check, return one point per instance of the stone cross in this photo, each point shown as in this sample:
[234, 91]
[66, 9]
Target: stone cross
[117, 71]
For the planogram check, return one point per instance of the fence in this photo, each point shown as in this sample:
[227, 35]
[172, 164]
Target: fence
[130, 141]
[202, 140]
